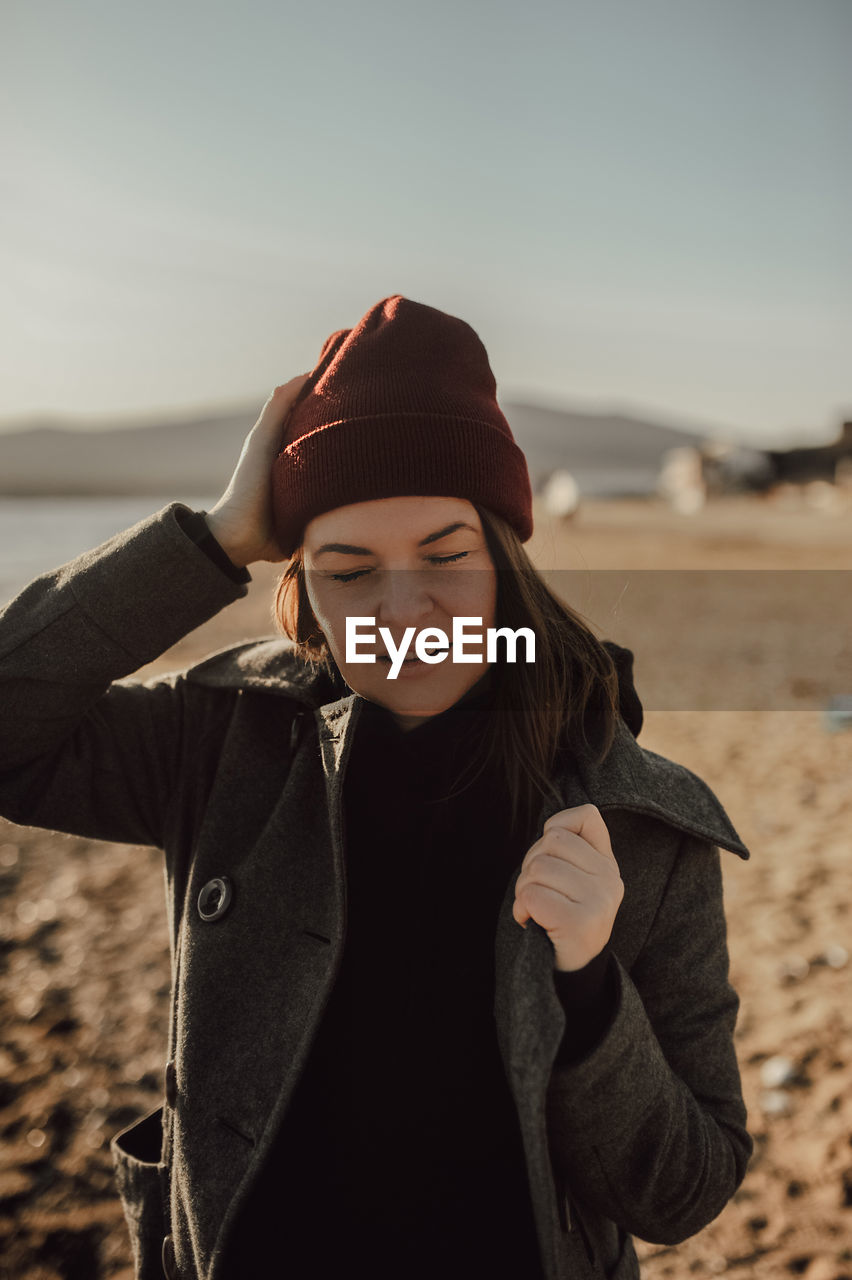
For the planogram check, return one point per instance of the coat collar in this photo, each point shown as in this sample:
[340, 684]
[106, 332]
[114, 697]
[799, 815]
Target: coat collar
[630, 777]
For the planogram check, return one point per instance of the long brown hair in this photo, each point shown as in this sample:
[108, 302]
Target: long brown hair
[539, 707]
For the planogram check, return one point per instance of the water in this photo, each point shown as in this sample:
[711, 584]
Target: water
[40, 534]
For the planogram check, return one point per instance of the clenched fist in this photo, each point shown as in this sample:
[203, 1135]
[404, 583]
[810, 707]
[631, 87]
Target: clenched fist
[570, 885]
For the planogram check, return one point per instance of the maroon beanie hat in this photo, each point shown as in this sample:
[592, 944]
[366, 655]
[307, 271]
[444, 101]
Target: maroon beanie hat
[403, 404]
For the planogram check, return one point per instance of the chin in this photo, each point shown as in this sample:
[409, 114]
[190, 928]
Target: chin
[426, 693]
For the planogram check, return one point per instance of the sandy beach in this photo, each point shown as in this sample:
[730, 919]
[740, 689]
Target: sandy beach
[85, 972]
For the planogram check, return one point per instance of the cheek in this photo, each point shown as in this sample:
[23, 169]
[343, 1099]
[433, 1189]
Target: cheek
[332, 619]
[474, 596]
[331, 611]
[322, 606]
[491, 604]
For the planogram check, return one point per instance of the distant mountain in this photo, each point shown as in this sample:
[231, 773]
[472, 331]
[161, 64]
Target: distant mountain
[608, 454]
[196, 456]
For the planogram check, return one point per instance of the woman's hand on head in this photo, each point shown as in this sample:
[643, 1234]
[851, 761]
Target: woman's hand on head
[241, 521]
[570, 884]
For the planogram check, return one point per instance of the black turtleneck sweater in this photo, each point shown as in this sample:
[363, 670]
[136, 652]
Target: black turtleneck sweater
[401, 1153]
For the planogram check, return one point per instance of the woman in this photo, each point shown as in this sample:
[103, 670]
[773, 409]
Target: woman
[433, 1014]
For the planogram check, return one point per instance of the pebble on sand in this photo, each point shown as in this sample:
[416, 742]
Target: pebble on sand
[777, 1070]
[793, 969]
[775, 1102]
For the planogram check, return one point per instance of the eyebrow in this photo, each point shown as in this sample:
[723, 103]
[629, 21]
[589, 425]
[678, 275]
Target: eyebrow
[348, 550]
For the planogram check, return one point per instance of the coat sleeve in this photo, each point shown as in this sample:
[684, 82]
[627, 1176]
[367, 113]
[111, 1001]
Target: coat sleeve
[650, 1126]
[83, 750]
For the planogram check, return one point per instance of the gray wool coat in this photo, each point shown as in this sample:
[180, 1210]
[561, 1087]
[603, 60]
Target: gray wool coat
[234, 768]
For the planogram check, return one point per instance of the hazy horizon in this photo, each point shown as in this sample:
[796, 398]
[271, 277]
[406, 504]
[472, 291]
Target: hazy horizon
[154, 417]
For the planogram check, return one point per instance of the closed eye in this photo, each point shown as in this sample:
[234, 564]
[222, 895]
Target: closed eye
[357, 573]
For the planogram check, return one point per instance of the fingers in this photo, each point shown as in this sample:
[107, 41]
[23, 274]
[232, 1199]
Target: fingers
[276, 408]
[548, 857]
[573, 873]
[547, 872]
[586, 821]
[574, 849]
[563, 875]
[549, 905]
[284, 395]
[570, 884]
[265, 436]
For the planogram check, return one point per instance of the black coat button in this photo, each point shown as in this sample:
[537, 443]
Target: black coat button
[171, 1084]
[170, 1270]
[215, 898]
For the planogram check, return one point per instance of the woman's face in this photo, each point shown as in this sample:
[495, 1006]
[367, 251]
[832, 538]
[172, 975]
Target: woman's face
[406, 562]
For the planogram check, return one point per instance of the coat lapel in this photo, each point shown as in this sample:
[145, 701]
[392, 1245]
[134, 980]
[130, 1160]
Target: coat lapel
[630, 779]
[529, 1017]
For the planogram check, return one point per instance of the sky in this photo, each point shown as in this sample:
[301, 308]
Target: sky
[639, 205]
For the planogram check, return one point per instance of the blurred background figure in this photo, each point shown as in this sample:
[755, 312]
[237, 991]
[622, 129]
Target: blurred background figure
[732, 468]
[681, 479]
[561, 495]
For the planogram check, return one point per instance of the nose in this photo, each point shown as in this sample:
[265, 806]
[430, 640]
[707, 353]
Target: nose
[404, 600]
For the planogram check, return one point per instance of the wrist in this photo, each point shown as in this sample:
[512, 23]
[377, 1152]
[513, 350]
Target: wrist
[583, 988]
[219, 529]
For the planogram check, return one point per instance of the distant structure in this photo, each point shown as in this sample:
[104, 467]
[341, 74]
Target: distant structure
[689, 475]
[732, 468]
[816, 463]
[561, 495]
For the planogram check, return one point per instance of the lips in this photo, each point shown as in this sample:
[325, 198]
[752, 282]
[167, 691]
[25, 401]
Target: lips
[407, 662]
